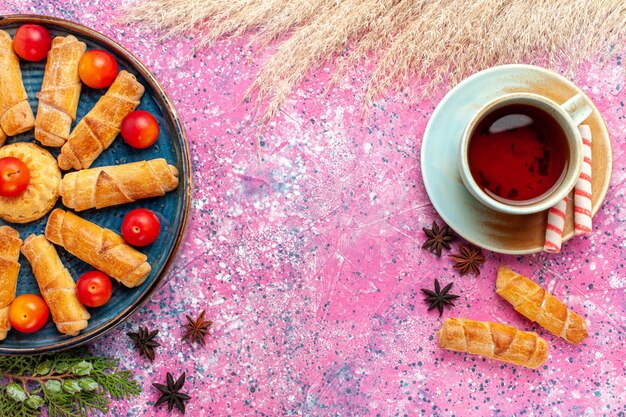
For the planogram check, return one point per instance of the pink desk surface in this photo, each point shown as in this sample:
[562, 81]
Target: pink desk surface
[304, 248]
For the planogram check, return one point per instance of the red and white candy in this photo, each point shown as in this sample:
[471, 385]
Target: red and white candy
[582, 190]
[554, 228]
[582, 202]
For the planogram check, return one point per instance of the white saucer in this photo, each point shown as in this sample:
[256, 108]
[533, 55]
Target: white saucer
[489, 229]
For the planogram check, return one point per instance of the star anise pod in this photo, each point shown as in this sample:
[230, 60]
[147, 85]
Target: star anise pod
[171, 394]
[469, 260]
[437, 238]
[144, 341]
[439, 298]
[197, 329]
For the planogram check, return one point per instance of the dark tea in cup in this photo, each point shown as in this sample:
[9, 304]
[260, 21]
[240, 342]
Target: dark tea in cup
[518, 154]
[521, 153]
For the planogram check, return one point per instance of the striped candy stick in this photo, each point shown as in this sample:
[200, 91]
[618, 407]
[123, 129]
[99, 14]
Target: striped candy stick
[554, 228]
[582, 190]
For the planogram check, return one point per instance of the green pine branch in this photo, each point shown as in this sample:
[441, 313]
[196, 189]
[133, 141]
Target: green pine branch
[69, 384]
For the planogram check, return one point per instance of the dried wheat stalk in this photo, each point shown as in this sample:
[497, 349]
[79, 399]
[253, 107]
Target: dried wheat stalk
[433, 40]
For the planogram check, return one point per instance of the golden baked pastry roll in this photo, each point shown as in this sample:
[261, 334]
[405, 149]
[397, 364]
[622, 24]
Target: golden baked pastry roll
[10, 244]
[537, 304]
[118, 184]
[99, 247]
[60, 91]
[56, 285]
[16, 116]
[493, 340]
[97, 130]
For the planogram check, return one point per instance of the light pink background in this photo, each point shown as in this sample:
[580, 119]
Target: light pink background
[304, 248]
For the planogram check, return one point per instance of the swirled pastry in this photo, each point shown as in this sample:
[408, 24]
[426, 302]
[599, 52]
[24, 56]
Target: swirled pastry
[43, 191]
[16, 116]
[99, 247]
[60, 91]
[493, 340]
[56, 285]
[97, 130]
[117, 184]
[537, 304]
[10, 244]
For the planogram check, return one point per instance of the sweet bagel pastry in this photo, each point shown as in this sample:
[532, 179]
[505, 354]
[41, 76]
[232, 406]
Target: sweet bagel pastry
[97, 130]
[60, 91]
[493, 340]
[56, 285]
[10, 244]
[118, 184]
[99, 247]
[16, 116]
[43, 190]
[537, 304]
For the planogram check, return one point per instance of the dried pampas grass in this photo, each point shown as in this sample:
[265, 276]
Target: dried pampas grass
[433, 40]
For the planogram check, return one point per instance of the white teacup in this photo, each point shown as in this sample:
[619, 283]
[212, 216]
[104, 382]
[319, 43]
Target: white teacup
[567, 116]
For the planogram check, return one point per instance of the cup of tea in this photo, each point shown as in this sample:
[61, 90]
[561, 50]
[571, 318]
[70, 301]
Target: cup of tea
[522, 152]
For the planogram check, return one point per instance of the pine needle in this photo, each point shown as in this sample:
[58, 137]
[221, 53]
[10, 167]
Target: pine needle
[433, 41]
